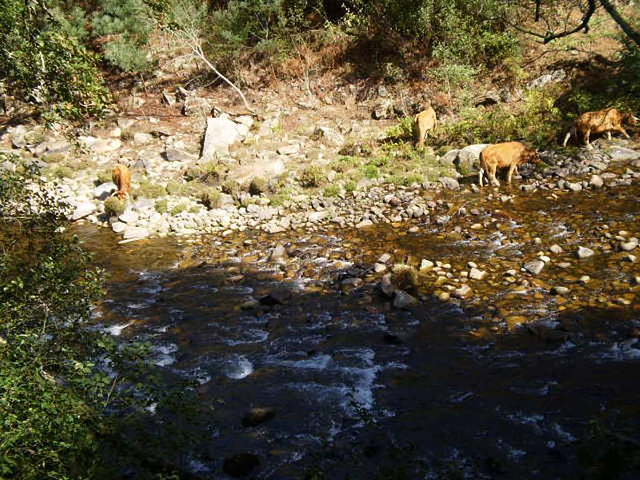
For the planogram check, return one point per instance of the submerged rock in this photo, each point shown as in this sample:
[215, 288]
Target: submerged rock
[240, 465]
[402, 300]
[258, 415]
[584, 252]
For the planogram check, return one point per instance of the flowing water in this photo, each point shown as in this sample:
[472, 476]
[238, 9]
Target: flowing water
[510, 382]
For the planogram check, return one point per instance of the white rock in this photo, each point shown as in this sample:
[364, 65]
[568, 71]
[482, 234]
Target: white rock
[82, 210]
[476, 274]
[135, 232]
[534, 267]
[118, 227]
[289, 149]
[220, 134]
[584, 252]
[128, 217]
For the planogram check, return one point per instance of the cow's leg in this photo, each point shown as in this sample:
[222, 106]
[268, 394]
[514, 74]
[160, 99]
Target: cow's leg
[587, 134]
[512, 167]
[566, 138]
[623, 131]
[494, 180]
[480, 175]
[609, 135]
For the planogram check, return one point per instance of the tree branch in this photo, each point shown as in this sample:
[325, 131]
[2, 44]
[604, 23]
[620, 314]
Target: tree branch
[584, 25]
[624, 25]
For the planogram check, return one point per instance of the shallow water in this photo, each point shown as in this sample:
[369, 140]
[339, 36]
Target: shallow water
[452, 389]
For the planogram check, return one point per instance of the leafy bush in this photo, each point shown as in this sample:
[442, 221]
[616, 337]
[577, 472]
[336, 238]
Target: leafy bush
[130, 23]
[149, 189]
[114, 207]
[162, 205]
[456, 31]
[48, 389]
[45, 64]
[210, 198]
[538, 122]
[312, 177]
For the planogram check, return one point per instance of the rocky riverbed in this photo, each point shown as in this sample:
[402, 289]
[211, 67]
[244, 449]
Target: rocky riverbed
[482, 337]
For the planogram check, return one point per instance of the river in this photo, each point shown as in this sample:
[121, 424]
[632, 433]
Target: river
[529, 376]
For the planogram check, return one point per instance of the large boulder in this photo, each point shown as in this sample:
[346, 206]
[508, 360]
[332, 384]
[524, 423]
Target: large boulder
[468, 158]
[221, 133]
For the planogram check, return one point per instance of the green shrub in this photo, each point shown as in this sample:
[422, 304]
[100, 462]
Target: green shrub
[312, 177]
[162, 205]
[207, 173]
[350, 186]
[402, 132]
[538, 122]
[231, 187]
[104, 176]
[210, 198]
[257, 186]
[147, 189]
[46, 64]
[114, 207]
[178, 208]
[370, 171]
[63, 171]
[129, 23]
[332, 191]
[50, 394]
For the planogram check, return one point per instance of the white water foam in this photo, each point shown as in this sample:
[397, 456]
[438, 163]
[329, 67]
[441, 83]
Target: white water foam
[238, 367]
[116, 330]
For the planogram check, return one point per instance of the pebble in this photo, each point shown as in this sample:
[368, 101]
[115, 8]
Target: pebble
[559, 290]
[534, 267]
[379, 267]
[426, 264]
[555, 248]
[463, 292]
[630, 245]
[384, 258]
[476, 274]
[584, 279]
[584, 252]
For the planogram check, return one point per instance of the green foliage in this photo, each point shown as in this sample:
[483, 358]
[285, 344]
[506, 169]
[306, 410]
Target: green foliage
[538, 122]
[149, 189]
[207, 173]
[456, 31]
[210, 198]
[103, 176]
[331, 191]
[162, 205]
[370, 171]
[401, 132]
[312, 177]
[350, 186]
[257, 186]
[45, 64]
[231, 187]
[48, 393]
[63, 171]
[114, 207]
[130, 23]
[179, 208]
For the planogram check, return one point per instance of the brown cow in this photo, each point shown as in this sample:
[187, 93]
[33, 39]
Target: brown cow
[424, 122]
[607, 120]
[502, 155]
[121, 176]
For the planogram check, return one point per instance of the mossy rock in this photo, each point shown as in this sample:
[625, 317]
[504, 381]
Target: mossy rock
[114, 207]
